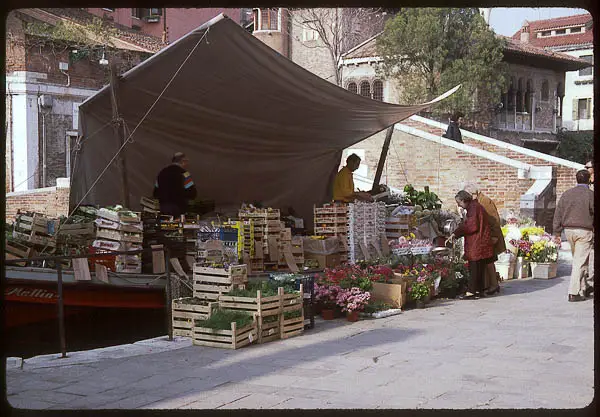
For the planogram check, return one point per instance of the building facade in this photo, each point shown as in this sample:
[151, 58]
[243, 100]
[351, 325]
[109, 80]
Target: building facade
[572, 35]
[46, 80]
[168, 24]
[531, 112]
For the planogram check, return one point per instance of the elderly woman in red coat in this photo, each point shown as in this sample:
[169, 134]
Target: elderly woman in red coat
[479, 250]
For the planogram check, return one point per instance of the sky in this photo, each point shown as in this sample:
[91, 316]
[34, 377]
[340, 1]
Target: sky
[506, 21]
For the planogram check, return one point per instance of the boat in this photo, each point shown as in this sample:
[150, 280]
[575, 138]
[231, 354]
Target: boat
[31, 294]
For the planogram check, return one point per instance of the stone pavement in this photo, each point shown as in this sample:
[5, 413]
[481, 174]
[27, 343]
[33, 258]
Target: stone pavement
[526, 348]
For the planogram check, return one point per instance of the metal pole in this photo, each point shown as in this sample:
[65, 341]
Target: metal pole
[61, 312]
[168, 294]
[382, 157]
[119, 133]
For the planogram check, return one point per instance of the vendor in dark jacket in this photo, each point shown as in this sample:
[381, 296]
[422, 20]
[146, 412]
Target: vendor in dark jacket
[453, 131]
[174, 186]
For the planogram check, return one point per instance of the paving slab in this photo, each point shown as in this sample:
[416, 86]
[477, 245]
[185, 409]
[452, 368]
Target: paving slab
[526, 348]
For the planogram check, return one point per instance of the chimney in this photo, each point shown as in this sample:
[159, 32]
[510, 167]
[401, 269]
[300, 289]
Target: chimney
[525, 32]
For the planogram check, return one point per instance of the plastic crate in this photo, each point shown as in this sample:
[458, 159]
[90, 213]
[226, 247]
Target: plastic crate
[227, 234]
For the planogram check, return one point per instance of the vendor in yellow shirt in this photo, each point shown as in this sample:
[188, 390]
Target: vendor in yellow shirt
[343, 185]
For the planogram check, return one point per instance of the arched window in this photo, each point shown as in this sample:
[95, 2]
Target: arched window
[529, 97]
[512, 90]
[520, 94]
[545, 90]
[365, 89]
[378, 90]
[353, 88]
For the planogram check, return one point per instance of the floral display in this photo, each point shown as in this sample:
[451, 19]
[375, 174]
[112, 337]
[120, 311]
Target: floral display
[544, 251]
[352, 299]
[523, 248]
[419, 290]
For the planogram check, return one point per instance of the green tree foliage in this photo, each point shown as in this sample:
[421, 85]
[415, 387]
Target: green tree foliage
[430, 50]
[576, 146]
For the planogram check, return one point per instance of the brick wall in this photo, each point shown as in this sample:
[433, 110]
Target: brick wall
[498, 181]
[15, 47]
[52, 201]
[565, 175]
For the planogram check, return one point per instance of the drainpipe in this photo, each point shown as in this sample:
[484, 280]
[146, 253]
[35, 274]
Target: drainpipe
[40, 111]
[68, 78]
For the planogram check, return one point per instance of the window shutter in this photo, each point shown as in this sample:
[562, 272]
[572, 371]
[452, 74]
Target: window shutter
[575, 109]
[588, 108]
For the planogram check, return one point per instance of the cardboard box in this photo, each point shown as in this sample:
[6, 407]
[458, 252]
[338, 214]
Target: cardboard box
[394, 294]
[325, 261]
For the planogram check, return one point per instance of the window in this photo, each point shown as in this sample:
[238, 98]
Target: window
[353, 88]
[588, 70]
[365, 89]
[137, 13]
[520, 94]
[309, 34]
[576, 30]
[582, 108]
[269, 19]
[545, 90]
[561, 31]
[547, 33]
[378, 90]
[155, 11]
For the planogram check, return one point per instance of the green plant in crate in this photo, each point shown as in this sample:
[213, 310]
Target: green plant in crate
[376, 306]
[221, 319]
[292, 314]
[418, 291]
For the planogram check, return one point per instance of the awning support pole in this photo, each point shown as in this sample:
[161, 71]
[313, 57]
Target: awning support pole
[382, 157]
[118, 128]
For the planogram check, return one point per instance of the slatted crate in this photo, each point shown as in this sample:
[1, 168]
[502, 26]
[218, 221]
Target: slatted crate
[14, 250]
[209, 283]
[76, 229]
[269, 328]
[292, 303]
[184, 313]
[36, 240]
[234, 338]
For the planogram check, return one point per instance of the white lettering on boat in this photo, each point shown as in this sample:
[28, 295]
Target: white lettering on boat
[29, 292]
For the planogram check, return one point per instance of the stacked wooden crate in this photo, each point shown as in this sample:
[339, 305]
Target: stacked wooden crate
[269, 313]
[36, 230]
[292, 315]
[234, 338]
[271, 247]
[209, 283]
[293, 246]
[263, 256]
[331, 220]
[366, 229]
[184, 312]
[150, 218]
[15, 250]
[121, 231]
[189, 226]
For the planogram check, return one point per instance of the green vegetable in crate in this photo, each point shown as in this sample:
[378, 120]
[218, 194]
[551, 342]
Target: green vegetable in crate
[292, 314]
[221, 319]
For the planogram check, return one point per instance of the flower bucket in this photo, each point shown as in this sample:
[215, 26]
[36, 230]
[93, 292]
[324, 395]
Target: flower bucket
[352, 316]
[522, 269]
[546, 270]
[327, 314]
[506, 269]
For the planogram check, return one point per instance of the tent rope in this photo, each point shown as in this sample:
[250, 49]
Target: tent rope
[126, 141]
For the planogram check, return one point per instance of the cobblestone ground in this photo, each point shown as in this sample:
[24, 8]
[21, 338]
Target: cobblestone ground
[526, 348]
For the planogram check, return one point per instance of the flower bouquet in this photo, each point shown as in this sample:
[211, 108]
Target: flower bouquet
[523, 252]
[544, 258]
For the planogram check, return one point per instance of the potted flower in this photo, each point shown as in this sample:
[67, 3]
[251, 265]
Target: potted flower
[352, 300]
[326, 295]
[419, 291]
[523, 255]
[544, 258]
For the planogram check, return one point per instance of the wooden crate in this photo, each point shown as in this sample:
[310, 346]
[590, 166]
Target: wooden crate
[14, 250]
[268, 331]
[36, 240]
[262, 306]
[77, 229]
[184, 314]
[293, 326]
[209, 283]
[227, 339]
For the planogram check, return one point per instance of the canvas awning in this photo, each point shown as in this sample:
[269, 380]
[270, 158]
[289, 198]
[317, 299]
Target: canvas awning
[255, 126]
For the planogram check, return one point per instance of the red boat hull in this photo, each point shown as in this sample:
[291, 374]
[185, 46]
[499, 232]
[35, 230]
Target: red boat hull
[30, 302]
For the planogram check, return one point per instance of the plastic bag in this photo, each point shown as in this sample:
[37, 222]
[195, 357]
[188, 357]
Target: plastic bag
[327, 246]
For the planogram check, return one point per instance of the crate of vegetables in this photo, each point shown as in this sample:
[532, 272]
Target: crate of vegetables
[185, 310]
[225, 329]
[209, 283]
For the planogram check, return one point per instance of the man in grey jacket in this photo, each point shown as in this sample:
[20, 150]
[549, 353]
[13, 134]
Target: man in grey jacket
[575, 215]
